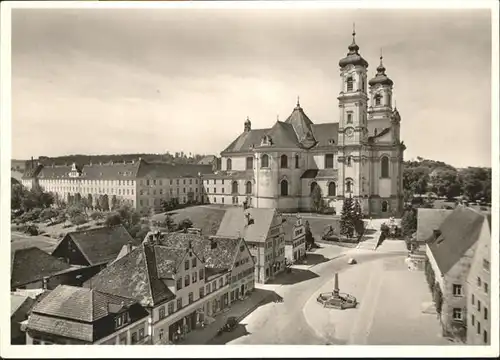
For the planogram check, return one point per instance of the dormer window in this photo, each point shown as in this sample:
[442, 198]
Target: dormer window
[121, 320]
[349, 83]
[378, 99]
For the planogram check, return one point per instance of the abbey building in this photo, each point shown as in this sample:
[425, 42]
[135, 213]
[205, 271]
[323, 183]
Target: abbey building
[360, 155]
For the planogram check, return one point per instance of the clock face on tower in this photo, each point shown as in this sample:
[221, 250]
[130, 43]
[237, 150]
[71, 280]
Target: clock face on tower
[349, 132]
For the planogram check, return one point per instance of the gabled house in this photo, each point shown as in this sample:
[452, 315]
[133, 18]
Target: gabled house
[93, 247]
[78, 316]
[478, 290]
[168, 282]
[222, 256]
[31, 267]
[295, 241]
[262, 230]
[450, 250]
[429, 220]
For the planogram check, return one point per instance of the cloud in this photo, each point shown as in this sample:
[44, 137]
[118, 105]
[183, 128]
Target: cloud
[108, 81]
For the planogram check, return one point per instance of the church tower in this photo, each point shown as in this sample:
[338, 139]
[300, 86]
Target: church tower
[353, 131]
[386, 148]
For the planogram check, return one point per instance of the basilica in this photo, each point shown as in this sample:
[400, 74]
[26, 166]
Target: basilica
[360, 155]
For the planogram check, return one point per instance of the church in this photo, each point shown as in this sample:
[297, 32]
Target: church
[359, 156]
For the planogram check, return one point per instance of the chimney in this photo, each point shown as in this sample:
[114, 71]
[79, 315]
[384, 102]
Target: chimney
[437, 233]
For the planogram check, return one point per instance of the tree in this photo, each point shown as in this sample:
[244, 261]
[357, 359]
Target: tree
[357, 216]
[446, 182]
[346, 218]
[78, 219]
[309, 236]
[18, 193]
[49, 214]
[105, 202]
[316, 199]
[409, 222]
[78, 198]
[89, 201]
[114, 202]
[96, 215]
[437, 296]
[185, 224]
[430, 276]
[168, 223]
[76, 214]
[476, 183]
[126, 216]
[416, 179]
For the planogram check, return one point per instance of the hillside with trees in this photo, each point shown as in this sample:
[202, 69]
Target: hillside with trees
[423, 176]
[174, 158]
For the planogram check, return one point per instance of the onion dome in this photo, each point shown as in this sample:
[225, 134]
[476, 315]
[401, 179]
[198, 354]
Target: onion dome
[381, 78]
[353, 57]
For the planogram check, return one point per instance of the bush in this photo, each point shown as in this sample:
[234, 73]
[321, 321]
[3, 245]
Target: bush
[32, 230]
[78, 219]
[97, 215]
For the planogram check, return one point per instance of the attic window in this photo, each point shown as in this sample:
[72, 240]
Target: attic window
[331, 142]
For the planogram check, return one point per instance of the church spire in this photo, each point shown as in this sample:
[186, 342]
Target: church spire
[353, 48]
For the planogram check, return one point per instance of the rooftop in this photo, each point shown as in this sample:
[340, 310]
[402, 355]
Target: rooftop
[235, 224]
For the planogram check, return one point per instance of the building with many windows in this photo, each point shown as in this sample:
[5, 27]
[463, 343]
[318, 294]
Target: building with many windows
[478, 290]
[141, 184]
[181, 279]
[263, 232]
[359, 155]
[295, 242]
[450, 251]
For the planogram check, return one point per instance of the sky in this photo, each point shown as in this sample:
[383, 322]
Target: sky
[113, 81]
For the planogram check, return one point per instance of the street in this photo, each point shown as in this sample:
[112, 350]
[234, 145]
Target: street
[284, 322]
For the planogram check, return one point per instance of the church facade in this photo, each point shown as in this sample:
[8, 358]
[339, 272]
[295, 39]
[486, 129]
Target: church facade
[359, 156]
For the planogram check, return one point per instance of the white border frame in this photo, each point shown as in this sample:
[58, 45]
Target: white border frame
[296, 351]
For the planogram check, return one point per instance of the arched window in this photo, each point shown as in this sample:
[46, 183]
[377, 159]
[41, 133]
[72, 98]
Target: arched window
[296, 161]
[313, 186]
[332, 189]
[349, 118]
[249, 163]
[349, 83]
[229, 165]
[348, 185]
[385, 206]
[284, 161]
[349, 160]
[248, 187]
[378, 99]
[284, 188]
[264, 161]
[384, 167]
[234, 187]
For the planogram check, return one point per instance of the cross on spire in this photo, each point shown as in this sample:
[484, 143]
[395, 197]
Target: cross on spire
[298, 101]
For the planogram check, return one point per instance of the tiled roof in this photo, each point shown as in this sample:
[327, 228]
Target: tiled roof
[326, 135]
[459, 231]
[246, 141]
[136, 276]
[220, 257]
[283, 135]
[61, 327]
[119, 171]
[101, 245]
[234, 224]
[319, 174]
[429, 220]
[109, 171]
[163, 170]
[300, 122]
[33, 264]
[80, 304]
